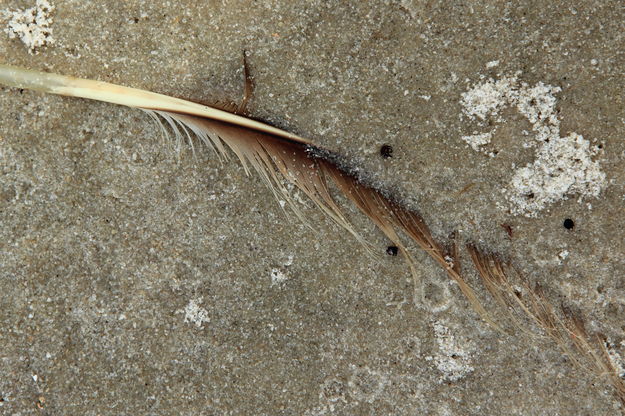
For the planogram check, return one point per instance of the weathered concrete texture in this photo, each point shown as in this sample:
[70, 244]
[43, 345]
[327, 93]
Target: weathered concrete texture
[136, 282]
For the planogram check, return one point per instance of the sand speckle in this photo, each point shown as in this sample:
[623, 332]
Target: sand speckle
[278, 277]
[453, 358]
[614, 354]
[477, 141]
[194, 313]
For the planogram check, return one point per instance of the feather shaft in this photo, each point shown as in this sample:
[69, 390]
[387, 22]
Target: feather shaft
[130, 97]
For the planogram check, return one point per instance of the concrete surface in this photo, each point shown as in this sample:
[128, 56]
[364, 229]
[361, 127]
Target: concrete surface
[136, 282]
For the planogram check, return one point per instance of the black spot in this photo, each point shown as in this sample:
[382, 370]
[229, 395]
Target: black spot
[136, 20]
[568, 224]
[386, 151]
[392, 250]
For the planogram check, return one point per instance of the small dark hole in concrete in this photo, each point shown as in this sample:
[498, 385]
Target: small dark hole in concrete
[568, 224]
[392, 250]
[386, 151]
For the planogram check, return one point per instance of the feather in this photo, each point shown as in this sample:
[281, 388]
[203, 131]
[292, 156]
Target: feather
[564, 327]
[277, 155]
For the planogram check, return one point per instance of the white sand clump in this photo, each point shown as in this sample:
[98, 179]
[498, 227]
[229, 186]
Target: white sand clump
[454, 356]
[32, 26]
[563, 167]
[538, 103]
[278, 275]
[489, 98]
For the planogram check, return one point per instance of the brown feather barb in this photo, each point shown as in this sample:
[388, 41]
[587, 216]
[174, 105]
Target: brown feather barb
[277, 155]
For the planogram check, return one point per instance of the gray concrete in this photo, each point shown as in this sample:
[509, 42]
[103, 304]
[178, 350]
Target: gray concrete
[106, 236]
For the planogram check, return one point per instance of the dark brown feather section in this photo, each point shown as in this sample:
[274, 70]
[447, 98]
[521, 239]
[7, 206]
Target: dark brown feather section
[313, 171]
